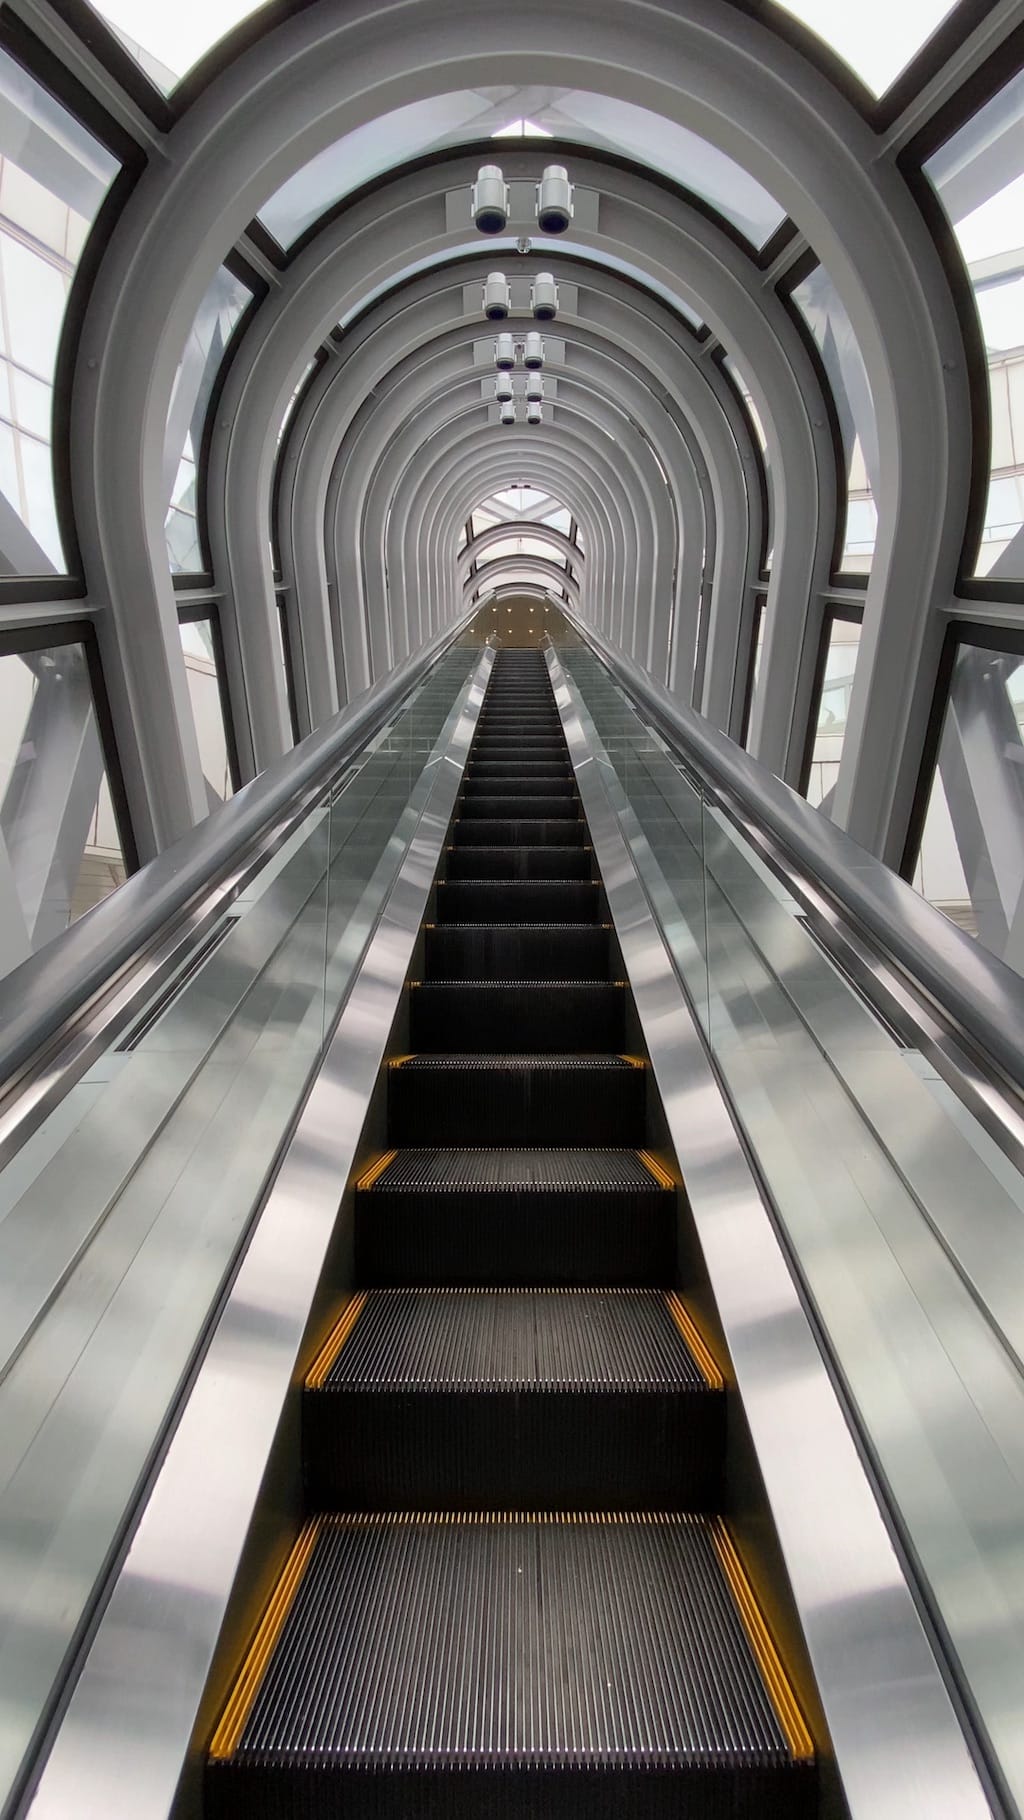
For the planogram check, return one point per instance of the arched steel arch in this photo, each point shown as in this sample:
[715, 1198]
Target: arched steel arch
[718, 71]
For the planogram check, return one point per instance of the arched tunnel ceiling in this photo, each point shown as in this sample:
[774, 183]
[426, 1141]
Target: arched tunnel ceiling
[760, 332]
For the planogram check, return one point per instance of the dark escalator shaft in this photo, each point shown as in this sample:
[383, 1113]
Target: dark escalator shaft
[514, 1595]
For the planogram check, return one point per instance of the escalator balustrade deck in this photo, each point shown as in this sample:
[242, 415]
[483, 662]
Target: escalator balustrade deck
[514, 1595]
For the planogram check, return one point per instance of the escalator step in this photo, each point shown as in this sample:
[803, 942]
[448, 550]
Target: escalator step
[519, 862]
[520, 808]
[516, 1099]
[513, 1399]
[525, 783]
[513, 745]
[518, 900]
[505, 1218]
[533, 951]
[550, 1667]
[542, 1015]
[509, 833]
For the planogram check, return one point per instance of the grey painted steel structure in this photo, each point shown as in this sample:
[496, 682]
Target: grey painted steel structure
[384, 263]
[720, 72]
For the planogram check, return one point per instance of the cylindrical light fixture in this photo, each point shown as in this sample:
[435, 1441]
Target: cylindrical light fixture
[533, 353]
[535, 413]
[497, 297]
[535, 388]
[554, 200]
[504, 353]
[507, 415]
[503, 393]
[544, 297]
[490, 200]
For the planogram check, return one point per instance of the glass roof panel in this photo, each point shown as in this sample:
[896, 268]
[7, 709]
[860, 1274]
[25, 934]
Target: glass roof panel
[167, 40]
[219, 311]
[53, 178]
[874, 37]
[979, 175]
[575, 114]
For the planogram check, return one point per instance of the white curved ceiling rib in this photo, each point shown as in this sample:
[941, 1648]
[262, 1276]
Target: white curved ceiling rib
[718, 74]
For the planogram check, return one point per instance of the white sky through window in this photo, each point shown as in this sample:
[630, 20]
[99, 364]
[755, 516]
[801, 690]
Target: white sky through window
[875, 37]
[176, 35]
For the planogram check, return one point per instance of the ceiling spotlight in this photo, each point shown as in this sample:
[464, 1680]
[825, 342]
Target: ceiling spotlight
[507, 415]
[554, 200]
[533, 352]
[535, 412]
[544, 297]
[490, 200]
[504, 353]
[497, 297]
[503, 393]
[535, 388]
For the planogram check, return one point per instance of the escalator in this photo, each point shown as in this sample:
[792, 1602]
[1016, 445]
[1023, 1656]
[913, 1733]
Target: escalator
[515, 1592]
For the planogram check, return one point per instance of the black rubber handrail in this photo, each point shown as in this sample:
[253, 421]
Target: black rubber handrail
[979, 994]
[51, 987]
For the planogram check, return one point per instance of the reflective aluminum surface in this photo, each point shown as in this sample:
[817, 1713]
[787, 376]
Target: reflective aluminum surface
[899, 1749]
[129, 1723]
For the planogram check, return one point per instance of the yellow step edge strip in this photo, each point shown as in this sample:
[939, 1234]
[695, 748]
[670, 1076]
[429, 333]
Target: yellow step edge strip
[233, 1720]
[399, 1061]
[635, 1061]
[695, 1341]
[791, 1719]
[376, 1170]
[661, 1176]
[316, 1376]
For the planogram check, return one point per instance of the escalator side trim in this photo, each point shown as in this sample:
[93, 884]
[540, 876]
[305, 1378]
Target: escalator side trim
[233, 1719]
[695, 1341]
[376, 1170]
[316, 1376]
[661, 1176]
[787, 1710]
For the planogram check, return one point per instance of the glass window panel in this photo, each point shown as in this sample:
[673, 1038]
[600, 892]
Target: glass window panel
[826, 317]
[200, 649]
[522, 546]
[561, 520]
[56, 818]
[31, 403]
[979, 176]
[589, 119]
[53, 178]
[971, 860]
[211, 331]
[833, 707]
[875, 38]
[676, 152]
[168, 40]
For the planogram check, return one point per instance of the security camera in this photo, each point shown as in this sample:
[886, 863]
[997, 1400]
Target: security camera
[534, 413]
[497, 297]
[554, 200]
[535, 388]
[490, 200]
[533, 351]
[507, 414]
[504, 353]
[544, 297]
[503, 389]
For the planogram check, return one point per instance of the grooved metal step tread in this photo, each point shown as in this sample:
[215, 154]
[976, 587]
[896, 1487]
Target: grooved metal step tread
[572, 1171]
[558, 1339]
[447, 1643]
[515, 884]
[515, 985]
[583, 1063]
